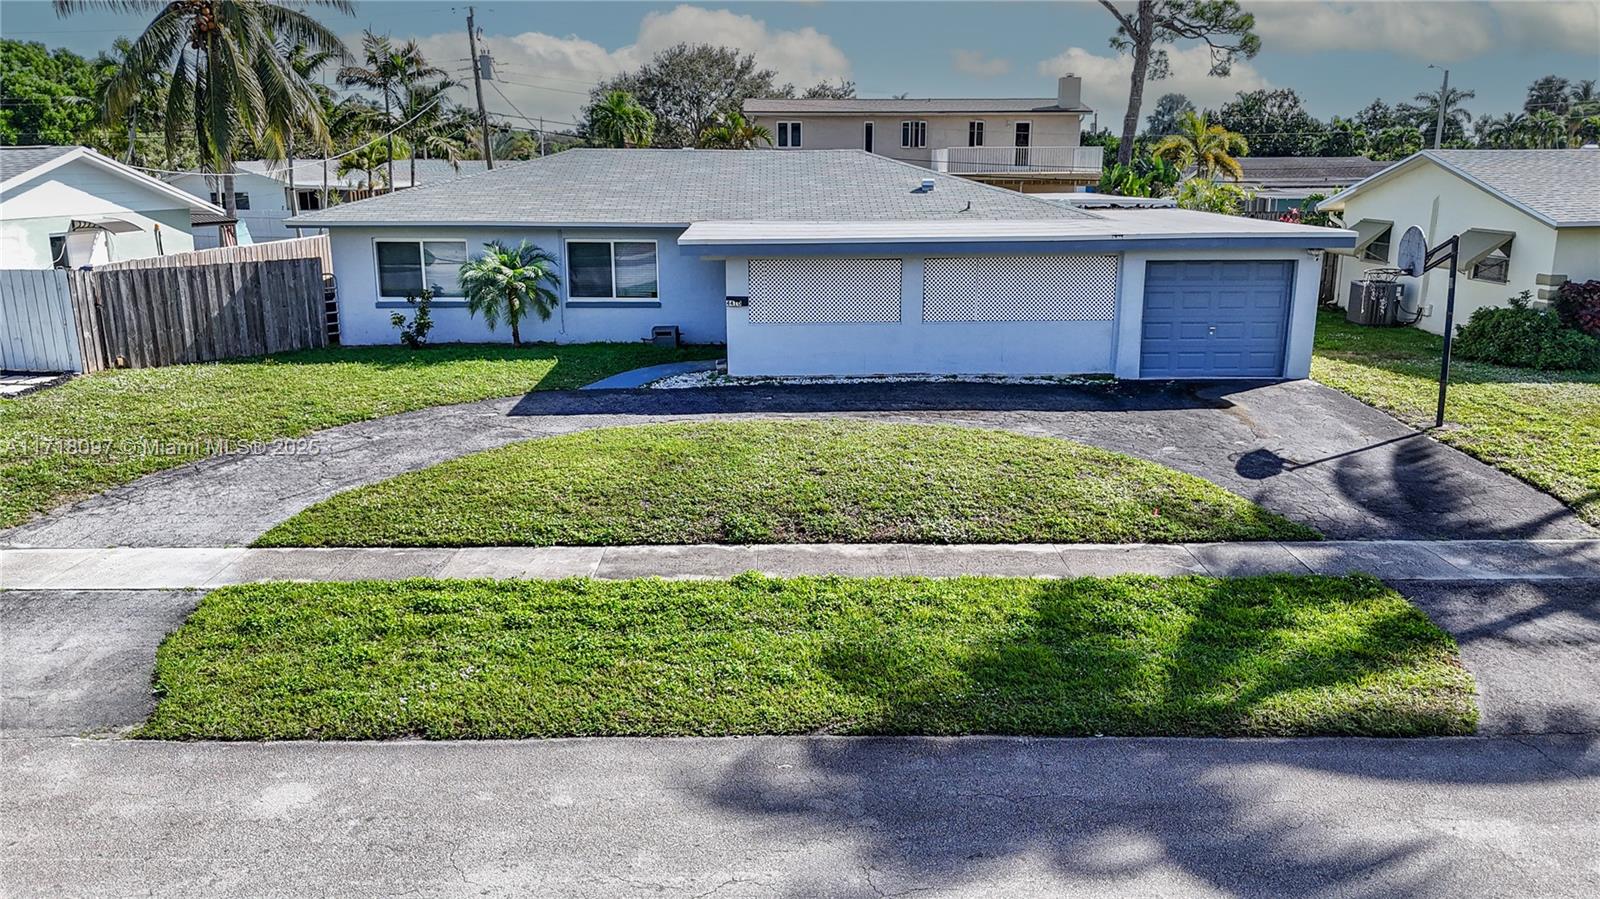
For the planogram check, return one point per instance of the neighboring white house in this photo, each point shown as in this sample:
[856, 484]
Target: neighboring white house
[1528, 220]
[1025, 143]
[842, 262]
[1278, 184]
[67, 207]
[269, 192]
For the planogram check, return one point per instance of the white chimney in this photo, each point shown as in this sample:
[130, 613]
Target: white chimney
[1069, 91]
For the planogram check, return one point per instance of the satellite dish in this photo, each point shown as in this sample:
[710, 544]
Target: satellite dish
[1413, 256]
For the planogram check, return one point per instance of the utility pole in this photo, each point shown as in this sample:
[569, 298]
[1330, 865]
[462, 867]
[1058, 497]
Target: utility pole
[477, 84]
[541, 135]
[1444, 96]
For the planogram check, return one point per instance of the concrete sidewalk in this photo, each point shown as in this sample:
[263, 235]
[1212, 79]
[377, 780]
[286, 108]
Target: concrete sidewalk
[165, 568]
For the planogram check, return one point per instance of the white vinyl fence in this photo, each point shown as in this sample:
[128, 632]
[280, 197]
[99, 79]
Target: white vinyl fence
[38, 331]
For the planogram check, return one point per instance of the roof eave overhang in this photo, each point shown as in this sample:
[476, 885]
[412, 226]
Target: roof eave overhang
[1012, 245]
[194, 203]
[298, 221]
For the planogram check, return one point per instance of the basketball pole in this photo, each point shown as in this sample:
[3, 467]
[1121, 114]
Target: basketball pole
[1452, 248]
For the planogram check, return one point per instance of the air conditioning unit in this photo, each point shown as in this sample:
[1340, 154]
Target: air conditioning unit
[1374, 302]
[665, 335]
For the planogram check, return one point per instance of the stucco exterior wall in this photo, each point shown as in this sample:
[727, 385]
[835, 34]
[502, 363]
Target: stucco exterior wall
[1442, 204]
[33, 211]
[1001, 348]
[910, 345]
[1578, 253]
[269, 206]
[691, 291]
[846, 132]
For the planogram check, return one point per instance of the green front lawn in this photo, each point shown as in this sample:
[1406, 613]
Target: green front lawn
[785, 482]
[1289, 656]
[1543, 427]
[107, 429]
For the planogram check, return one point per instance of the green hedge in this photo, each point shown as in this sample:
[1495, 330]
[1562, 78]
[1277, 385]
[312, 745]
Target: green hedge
[1523, 337]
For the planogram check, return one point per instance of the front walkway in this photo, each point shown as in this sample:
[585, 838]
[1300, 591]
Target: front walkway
[1300, 449]
[1393, 560]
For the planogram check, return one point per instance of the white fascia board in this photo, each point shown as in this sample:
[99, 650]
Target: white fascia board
[194, 203]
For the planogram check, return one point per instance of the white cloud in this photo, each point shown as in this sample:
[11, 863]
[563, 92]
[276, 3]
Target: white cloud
[973, 62]
[1429, 31]
[1105, 80]
[547, 75]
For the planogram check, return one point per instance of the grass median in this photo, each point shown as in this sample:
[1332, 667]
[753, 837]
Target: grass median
[785, 482]
[106, 429]
[1282, 656]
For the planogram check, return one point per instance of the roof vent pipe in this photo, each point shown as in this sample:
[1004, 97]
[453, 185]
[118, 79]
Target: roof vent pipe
[927, 185]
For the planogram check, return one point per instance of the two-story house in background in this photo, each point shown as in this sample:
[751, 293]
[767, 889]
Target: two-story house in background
[1027, 144]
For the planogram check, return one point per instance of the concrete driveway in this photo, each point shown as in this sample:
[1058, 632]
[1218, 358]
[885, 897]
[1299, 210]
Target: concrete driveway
[1300, 449]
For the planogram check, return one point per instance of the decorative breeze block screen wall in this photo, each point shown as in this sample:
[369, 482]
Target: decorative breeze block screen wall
[824, 290]
[1020, 288]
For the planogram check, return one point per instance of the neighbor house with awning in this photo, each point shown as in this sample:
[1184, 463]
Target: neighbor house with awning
[1528, 220]
[842, 262]
[68, 207]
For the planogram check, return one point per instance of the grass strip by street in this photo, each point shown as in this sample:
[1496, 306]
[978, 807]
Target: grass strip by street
[785, 482]
[1278, 655]
[1543, 427]
[106, 429]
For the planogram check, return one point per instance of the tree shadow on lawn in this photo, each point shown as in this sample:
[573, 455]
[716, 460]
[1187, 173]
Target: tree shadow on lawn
[1237, 816]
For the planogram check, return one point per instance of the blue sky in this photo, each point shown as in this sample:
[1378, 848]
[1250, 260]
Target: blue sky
[1337, 55]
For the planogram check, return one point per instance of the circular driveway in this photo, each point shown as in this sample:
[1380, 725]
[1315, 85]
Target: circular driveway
[1299, 449]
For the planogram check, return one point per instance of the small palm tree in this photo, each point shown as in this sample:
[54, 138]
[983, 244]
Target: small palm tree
[735, 132]
[507, 282]
[619, 121]
[1209, 148]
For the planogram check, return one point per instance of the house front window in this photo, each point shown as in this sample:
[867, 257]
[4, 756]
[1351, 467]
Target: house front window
[240, 200]
[1495, 267]
[1378, 249]
[974, 134]
[913, 134]
[617, 270]
[405, 267]
[788, 134]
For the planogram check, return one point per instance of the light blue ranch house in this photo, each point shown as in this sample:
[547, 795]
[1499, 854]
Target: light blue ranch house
[841, 262]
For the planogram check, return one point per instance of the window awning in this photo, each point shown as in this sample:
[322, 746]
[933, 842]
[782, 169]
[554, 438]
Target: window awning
[1367, 231]
[1477, 243]
[105, 223]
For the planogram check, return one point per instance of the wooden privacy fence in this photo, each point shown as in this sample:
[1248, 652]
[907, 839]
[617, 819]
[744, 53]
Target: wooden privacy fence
[297, 248]
[164, 315]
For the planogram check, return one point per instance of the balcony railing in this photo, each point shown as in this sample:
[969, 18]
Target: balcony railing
[1019, 160]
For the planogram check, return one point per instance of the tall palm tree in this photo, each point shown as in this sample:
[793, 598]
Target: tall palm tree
[1427, 115]
[1209, 148]
[147, 93]
[306, 63]
[734, 132]
[508, 282]
[423, 90]
[388, 70]
[229, 80]
[619, 121]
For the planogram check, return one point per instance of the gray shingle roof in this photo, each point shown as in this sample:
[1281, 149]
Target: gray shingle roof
[308, 172]
[670, 187]
[1560, 186]
[928, 106]
[15, 161]
[1296, 171]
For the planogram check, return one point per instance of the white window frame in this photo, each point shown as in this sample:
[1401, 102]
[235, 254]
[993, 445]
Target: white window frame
[1386, 239]
[975, 133]
[566, 270]
[377, 271]
[916, 132]
[790, 135]
[1505, 251]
